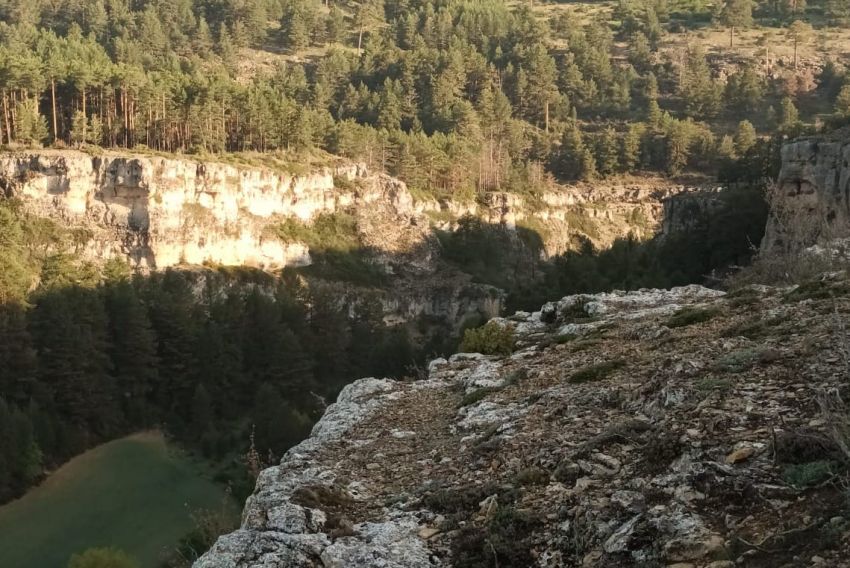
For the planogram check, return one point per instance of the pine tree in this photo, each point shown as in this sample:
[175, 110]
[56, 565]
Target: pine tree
[30, 126]
[295, 25]
[133, 350]
[79, 128]
[798, 32]
[70, 331]
[574, 160]
[607, 152]
[630, 157]
[736, 14]
[698, 89]
[837, 11]
[335, 29]
[202, 414]
[789, 116]
[389, 107]
[678, 147]
[203, 36]
[745, 90]
[842, 102]
[18, 363]
[745, 137]
[726, 148]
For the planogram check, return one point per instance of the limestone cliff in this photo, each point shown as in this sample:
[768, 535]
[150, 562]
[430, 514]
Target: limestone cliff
[812, 193]
[655, 428]
[160, 212]
[600, 212]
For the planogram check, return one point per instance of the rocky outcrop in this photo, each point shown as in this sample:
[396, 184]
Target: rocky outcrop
[689, 211]
[160, 212]
[811, 200]
[599, 213]
[654, 428]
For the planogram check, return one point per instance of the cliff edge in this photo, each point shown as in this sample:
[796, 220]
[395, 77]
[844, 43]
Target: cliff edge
[652, 428]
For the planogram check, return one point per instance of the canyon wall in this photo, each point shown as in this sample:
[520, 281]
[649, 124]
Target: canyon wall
[160, 212]
[811, 198]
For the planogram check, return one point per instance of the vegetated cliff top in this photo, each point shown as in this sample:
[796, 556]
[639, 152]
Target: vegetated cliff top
[653, 428]
[281, 161]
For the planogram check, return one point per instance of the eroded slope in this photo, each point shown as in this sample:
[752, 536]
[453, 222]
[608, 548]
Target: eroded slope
[640, 429]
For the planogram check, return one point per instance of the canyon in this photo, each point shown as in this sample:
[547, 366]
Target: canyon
[160, 212]
[164, 212]
[685, 427]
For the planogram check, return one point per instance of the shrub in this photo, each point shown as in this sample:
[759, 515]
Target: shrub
[743, 297]
[475, 396]
[739, 361]
[707, 385]
[816, 290]
[576, 312]
[809, 474]
[532, 476]
[102, 558]
[466, 499]
[595, 372]
[691, 316]
[505, 541]
[565, 338]
[490, 339]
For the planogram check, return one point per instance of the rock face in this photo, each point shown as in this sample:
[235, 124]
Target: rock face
[160, 212]
[812, 201]
[688, 211]
[653, 428]
[599, 213]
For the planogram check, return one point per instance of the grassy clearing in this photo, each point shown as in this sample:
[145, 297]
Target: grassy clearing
[135, 494]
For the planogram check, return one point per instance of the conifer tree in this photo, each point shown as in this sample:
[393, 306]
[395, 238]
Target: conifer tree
[736, 14]
[30, 126]
[745, 137]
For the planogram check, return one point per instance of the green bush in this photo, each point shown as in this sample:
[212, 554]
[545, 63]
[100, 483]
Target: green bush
[691, 316]
[476, 396]
[816, 290]
[809, 474]
[490, 339]
[595, 372]
[102, 558]
[740, 360]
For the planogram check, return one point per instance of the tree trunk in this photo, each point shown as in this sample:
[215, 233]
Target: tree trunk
[6, 118]
[767, 56]
[359, 39]
[547, 116]
[731, 36]
[795, 54]
[85, 118]
[53, 104]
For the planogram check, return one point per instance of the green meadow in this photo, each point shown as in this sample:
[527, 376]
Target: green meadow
[136, 494]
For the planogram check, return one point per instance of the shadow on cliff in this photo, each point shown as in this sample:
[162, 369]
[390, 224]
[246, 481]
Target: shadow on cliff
[701, 246]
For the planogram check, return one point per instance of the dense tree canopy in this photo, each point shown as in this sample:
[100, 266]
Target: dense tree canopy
[210, 357]
[453, 96]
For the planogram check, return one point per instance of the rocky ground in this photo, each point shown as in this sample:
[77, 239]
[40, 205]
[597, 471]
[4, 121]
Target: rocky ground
[682, 428]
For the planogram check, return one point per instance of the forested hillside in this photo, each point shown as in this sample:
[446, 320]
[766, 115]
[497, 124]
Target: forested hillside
[451, 96]
[219, 360]
[455, 97]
